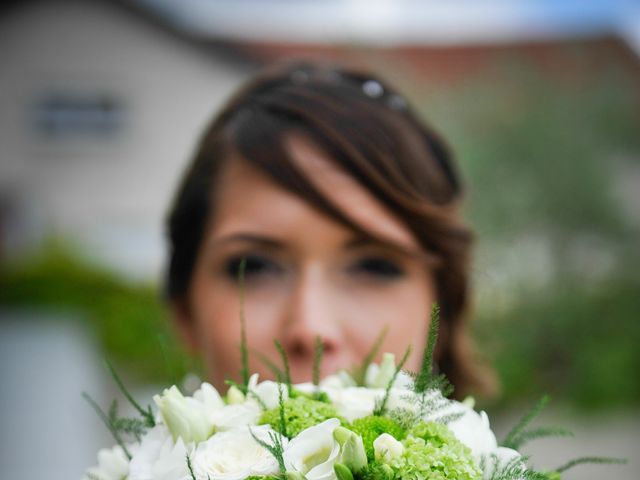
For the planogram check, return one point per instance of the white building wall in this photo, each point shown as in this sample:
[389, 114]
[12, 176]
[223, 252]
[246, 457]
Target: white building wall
[108, 194]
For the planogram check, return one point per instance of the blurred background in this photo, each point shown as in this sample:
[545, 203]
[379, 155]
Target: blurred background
[102, 101]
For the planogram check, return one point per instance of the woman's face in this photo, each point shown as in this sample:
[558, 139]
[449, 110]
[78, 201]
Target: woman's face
[306, 275]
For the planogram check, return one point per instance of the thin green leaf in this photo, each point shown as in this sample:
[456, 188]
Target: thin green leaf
[107, 422]
[591, 460]
[542, 432]
[425, 375]
[285, 363]
[190, 467]
[318, 351]
[382, 409]
[511, 440]
[147, 414]
[360, 373]
[244, 351]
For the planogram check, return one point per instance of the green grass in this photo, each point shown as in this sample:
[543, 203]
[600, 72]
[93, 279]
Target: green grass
[129, 320]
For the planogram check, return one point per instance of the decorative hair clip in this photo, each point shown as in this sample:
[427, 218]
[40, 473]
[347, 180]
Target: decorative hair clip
[372, 88]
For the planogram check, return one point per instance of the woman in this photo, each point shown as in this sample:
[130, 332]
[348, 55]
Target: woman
[345, 207]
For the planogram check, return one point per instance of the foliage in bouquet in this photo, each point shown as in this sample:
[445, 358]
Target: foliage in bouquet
[381, 423]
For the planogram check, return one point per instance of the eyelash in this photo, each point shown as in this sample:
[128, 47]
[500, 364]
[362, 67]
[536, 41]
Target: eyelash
[378, 268]
[256, 265]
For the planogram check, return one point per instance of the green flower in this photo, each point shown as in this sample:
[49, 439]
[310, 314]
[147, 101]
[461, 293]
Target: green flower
[423, 459]
[300, 413]
[376, 471]
[371, 427]
[434, 433]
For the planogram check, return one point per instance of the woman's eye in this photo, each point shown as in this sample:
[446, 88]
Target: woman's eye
[254, 267]
[377, 267]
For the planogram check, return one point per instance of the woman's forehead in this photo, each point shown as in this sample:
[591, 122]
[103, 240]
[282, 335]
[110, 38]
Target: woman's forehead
[248, 196]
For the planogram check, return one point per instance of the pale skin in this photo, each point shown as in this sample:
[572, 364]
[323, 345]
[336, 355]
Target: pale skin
[306, 275]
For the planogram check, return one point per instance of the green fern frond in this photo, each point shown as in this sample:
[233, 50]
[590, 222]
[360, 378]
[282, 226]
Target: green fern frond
[105, 419]
[511, 439]
[591, 460]
[244, 350]
[190, 468]
[147, 414]
[542, 432]
[281, 411]
[285, 363]
[515, 469]
[382, 408]
[318, 351]
[275, 448]
[275, 369]
[360, 372]
[425, 375]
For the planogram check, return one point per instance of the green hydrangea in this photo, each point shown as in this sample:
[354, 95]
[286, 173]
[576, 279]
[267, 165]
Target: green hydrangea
[423, 459]
[432, 432]
[371, 427]
[319, 396]
[300, 413]
[376, 471]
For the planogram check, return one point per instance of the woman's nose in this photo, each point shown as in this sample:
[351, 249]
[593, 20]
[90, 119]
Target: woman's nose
[312, 313]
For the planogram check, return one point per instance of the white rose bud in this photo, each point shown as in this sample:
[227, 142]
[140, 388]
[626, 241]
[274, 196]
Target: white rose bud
[185, 417]
[386, 448]
[385, 373]
[234, 395]
[352, 452]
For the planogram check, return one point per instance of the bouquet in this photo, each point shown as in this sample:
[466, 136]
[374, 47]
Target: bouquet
[376, 423]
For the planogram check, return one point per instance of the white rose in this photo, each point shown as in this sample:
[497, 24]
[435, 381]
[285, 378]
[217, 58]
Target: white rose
[497, 460]
[185, 417]
[403, 381]
[338, 380]
[355, 402]
[267, 391]
[471, 428]
[113, 464]
[403, 398]
[379, 376]
[314, 451]
[235, 454]
[159, 457]
[237, 415]
[386, 448]
[209, 397]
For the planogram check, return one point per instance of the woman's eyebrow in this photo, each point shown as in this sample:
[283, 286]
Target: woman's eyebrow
[358, 242]
[411, 252]
[263, 240]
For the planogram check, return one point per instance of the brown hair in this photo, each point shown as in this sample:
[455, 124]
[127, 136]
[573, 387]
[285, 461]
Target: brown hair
[371, 132]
